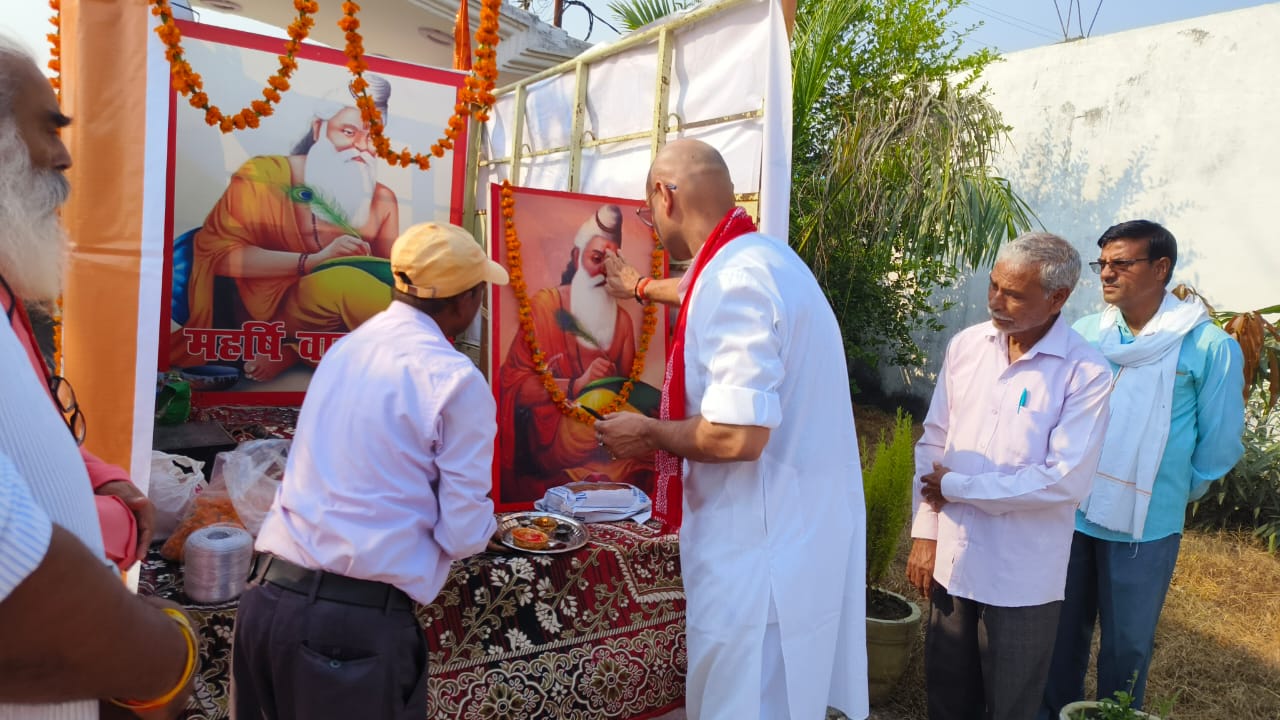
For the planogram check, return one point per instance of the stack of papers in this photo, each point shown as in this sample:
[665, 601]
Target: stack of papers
[597, 502]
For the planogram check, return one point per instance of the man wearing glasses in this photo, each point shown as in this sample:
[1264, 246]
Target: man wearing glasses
[1177, 413]
[757, 459]
[71, 630]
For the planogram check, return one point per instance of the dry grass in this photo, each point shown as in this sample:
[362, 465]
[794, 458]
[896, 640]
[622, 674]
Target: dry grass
[1218, 643]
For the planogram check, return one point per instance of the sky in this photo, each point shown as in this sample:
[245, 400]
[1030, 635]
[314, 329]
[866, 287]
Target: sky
[1006, 25]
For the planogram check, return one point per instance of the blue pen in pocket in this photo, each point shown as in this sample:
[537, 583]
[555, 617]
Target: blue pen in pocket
[1022, 401]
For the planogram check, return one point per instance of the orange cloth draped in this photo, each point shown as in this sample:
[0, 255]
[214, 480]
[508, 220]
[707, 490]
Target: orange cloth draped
[540, 447]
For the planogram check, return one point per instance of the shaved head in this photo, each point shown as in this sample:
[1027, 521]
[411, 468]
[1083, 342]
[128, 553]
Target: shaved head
[690, 191]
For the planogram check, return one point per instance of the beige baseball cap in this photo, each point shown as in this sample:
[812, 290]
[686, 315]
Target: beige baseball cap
[430, 260]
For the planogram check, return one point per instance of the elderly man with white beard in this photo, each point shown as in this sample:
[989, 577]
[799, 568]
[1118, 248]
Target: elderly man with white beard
[73, 635]
[585, 337]
[32, 250]
[278, 222]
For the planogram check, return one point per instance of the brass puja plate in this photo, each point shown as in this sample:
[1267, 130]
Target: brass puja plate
[567, 536]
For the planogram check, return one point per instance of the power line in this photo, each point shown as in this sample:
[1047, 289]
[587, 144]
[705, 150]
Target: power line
[1058, 10]
[592, 17]
[1094, 20]
[1012, 18]
[1015, 23]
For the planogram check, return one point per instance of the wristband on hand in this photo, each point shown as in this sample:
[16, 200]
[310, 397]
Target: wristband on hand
[302, 264]
[193, 654]
[641, 284]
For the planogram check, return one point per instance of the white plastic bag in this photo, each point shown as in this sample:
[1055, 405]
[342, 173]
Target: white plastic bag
[252, 473]
[175, 482]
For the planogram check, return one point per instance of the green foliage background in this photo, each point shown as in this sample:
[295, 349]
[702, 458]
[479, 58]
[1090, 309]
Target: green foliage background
[893, 193]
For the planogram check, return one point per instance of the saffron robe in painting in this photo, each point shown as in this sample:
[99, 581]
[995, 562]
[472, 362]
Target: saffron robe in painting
[255, 210]
[541, 447]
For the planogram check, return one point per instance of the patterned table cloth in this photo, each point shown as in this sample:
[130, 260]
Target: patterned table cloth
[596, 633]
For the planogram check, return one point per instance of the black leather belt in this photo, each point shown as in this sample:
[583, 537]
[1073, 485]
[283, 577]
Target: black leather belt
[327, 585]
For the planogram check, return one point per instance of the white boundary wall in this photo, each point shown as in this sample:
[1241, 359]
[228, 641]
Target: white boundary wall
[1176, 123]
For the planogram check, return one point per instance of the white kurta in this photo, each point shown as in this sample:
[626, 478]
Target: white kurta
[763, 348]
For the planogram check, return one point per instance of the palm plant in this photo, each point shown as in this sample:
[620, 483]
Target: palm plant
[633, 14]
[893, 192]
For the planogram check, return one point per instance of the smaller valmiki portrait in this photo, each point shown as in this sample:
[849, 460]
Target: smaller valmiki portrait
[279, 236]
[565, 351]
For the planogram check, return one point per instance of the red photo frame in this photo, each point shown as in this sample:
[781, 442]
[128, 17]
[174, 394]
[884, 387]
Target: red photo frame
[201, 162]
[561, 237]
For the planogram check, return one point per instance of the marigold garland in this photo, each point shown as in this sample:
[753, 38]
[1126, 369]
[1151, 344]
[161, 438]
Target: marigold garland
[525, 314]
[55, 64]
[475, 98]
[55, 46]
[191, 85]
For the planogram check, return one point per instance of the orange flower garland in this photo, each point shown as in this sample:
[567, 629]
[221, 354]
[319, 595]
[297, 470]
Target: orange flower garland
[476, 97]
[525, 315]
[55, 46]
[191, 86]
[55, 64]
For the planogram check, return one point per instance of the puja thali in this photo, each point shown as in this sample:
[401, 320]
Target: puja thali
[562, 534]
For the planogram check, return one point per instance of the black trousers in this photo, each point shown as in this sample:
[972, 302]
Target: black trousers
[313, 659]
[984, 662]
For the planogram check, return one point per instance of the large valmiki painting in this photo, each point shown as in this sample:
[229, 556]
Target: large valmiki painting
[279, 236]
[585, 344]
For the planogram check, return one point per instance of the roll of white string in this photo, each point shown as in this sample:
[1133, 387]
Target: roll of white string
[216, 563]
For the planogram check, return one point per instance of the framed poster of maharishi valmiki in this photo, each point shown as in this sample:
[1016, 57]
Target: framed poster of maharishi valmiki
[278, 235]
[565, 351]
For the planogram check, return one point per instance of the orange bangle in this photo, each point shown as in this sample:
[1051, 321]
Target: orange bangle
[193, 654]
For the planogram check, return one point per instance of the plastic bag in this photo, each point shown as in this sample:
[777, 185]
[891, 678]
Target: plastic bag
[252, 474]
[175, 481]
[212, 505]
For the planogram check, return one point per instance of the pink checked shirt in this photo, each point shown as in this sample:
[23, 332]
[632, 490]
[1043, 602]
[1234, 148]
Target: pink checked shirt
[1022, 441]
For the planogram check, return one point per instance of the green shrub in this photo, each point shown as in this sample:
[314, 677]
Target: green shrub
[886, 483]
[1249, 496]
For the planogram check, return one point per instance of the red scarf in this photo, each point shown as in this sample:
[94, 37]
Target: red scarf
[668, 501]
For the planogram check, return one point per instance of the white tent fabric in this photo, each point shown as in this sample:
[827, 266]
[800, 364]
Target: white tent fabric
[735, 61]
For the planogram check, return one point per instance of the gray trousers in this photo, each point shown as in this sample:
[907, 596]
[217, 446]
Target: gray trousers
[984, 662]
[314, 659]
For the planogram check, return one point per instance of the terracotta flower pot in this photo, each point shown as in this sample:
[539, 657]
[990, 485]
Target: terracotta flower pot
[1073, 710]
[889, 645]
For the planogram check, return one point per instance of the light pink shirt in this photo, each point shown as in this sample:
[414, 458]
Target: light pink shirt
[389, 474]
[1018, 467]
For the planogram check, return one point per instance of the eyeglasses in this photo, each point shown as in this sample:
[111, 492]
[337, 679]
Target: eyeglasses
[646, 213]
[64, 396]
[1118, 265]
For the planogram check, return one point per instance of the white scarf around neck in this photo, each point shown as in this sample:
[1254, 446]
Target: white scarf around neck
[1141, 405]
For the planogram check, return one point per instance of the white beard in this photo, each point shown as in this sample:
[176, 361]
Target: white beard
[338, 177]
[595, 309]
[33, 243]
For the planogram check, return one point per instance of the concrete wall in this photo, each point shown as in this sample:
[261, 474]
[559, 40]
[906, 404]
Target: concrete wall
[1176, 123]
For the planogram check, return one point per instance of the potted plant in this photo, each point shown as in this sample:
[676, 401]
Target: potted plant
[1118, 707]
[893, 621]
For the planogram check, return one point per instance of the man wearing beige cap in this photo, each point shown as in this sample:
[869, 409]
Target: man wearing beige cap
[387, 484]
